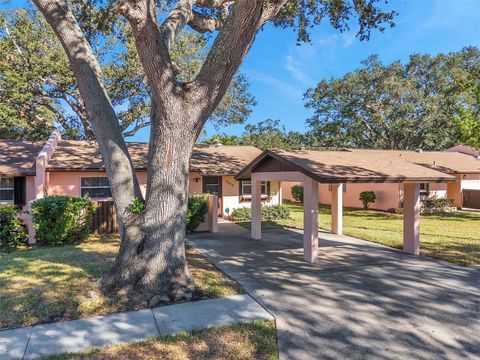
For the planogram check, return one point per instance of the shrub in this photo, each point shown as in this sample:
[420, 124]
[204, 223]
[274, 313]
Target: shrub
[136, 206]
[62, 219]
[269, 212]
[275, 212]
[367, 198]
[241, 214]
[297, 193]
[438, 203]
[12, 229]
[197, 210]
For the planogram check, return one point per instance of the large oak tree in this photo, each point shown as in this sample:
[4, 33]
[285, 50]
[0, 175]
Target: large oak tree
[151, 260]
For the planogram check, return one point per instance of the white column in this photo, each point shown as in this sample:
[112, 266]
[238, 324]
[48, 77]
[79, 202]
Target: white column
[337, 209]
[256, 208]
[411, 218]
[213, 214]
[310, 220]
[280, 193]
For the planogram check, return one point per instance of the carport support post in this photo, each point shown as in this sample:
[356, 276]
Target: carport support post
[310, 220]
[337, 209]
[256, 208]
[411, 218]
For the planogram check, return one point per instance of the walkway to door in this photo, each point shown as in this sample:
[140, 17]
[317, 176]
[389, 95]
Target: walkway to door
[359, 301]
[338, 168]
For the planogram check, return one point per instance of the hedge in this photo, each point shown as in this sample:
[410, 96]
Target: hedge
[62, 219]
[269, 212]
[297, 193]
[12, 229]
[197, 210]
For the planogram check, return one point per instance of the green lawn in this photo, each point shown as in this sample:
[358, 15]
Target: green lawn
[255, 340]
[48, 284]
[454, 237]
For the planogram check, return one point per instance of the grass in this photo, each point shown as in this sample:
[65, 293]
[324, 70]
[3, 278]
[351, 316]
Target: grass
[256, 340]
[48, 284]
[454, 237]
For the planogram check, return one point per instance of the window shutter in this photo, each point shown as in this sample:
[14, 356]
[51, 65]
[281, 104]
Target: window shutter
[268, 188]
[19, 190]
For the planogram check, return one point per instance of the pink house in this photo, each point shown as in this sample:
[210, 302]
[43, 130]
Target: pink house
[31, 170]
[465, 168]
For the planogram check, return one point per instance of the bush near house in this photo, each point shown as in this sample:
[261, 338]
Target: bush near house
[12, 229]
[297, 193]
[197, 210]
[367, 198]
[62, 219]
[269, 212]
[437, 205]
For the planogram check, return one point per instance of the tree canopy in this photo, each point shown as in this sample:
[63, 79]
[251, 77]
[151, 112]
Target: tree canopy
[398, 106]
[39, 90]
[263, 135]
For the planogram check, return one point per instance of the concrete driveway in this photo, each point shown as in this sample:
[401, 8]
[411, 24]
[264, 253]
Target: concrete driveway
[360, 301]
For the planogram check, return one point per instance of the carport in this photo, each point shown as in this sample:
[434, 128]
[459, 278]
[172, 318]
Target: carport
[338, 168]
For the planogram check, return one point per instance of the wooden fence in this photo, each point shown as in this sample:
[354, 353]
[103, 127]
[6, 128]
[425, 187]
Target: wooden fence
[471, 199]
[104, 218]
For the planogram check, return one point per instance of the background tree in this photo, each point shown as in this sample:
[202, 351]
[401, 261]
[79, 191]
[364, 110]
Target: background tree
[41, 91]
[395, 106]
[266, 134]
[151, 261]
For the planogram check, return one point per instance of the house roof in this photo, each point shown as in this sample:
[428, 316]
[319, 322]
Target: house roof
[447, 162]
[346, 167]
[467, 150]
[74, 155]
[17, 158]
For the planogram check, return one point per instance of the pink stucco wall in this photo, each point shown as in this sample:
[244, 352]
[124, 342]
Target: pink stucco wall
[388, 195]
[68, 183]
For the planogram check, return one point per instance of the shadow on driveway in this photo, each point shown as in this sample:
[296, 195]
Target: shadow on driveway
[360, 301]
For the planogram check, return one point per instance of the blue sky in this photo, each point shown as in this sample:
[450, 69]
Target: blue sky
[280, 72]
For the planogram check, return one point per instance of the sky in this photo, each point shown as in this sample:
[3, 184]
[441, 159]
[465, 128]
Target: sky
[280, 72]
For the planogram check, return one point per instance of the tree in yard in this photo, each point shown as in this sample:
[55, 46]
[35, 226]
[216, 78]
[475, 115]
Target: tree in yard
[41, 91]
[396, 106]
[367, 198]
[151, 259]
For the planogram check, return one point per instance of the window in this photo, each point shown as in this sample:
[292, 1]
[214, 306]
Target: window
[246, 188]
[424, 188]
[95, 187]
[6, 189]
[330, 187]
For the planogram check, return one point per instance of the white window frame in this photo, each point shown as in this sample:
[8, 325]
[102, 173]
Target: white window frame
[263, 189]
[8, 201]
[95, 187]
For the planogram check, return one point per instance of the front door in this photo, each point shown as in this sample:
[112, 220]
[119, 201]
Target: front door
[213, 185]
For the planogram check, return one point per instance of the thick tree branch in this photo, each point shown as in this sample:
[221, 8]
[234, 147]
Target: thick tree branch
[176, 20]
[204, 23]
[124, 184]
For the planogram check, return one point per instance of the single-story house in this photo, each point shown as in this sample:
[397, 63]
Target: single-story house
[465, 168]
[464, 149]
[31, 170]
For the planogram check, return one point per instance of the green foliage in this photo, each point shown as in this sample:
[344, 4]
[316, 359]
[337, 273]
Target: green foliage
[136, 206]
[39, 91]
[62, 219]
[467, 117]
[269, 212]
[367, 198]
[438, 204]
[12, 229]
[399, 105]
[263, 135]
[197, 210]
[275, 212]
[297, 193]
[303, 15]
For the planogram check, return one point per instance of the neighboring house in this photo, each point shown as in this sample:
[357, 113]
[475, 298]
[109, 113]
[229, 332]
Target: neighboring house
[463, 149]
[31, 170]
[464, 167]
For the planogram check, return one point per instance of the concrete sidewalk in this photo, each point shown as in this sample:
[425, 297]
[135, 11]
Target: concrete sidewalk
[78, 335]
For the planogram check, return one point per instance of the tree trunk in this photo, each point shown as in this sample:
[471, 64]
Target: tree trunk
[151, 260]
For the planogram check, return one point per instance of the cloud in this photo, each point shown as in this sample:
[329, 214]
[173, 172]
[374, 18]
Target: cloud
[278, 85]
[295, 68]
